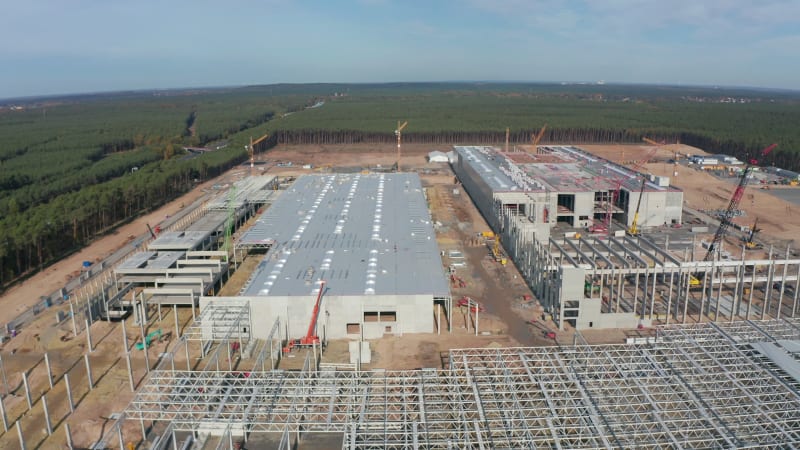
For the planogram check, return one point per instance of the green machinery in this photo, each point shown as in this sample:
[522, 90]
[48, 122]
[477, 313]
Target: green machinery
[148, 339]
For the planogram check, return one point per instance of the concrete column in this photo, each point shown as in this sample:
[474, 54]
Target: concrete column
[89, 305]
[3, 413]
[46, 416]
[186, 348]
[72, 315]
[69, 394]
[88, 372]
[177, 328]
[669, 294]
[27, 390]
[124, 337]
[122, 441]
[140, 308]
[796, 291]
[5, 379]
[130, 371]
[69, 436]
[49, 372]
[19, 435]
[89, 337]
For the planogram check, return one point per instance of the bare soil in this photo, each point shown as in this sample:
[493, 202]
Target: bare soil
[777, 218]
[508, 320]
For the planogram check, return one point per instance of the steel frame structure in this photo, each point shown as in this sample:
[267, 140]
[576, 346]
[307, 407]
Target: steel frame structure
[641, 277]
[699, 386]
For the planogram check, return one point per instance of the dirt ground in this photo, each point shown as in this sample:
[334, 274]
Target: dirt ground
[777, 218]
[508, 319]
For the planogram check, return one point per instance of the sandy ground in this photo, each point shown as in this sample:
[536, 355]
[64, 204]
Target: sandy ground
[508, 320]
[778, 218]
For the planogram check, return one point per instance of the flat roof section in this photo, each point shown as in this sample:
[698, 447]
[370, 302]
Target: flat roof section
[553, 169]
[146, 262]
[364, 234]
[179, 240]
[211, 221]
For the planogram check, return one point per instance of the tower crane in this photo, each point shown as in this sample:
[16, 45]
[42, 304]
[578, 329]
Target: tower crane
[252, 151]
[634, 229]
[508, 131]
[536, 138]
[399, 133]
[725, 221]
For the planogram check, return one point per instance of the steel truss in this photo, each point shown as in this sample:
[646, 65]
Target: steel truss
[697, 386]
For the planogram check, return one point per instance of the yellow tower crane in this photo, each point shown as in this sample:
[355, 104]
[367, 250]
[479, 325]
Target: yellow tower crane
[399, 133]
[252, 151]
[536, 138]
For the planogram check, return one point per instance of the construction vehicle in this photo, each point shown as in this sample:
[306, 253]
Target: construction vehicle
[148, 339]
[486, 234]
[252, 151]
[399, 132]
[468, 302]
[591, 287]
[497, 252]
[725, 221]
[153, 233]
[749, 240]
[633, 230]
[310, 339]
[727, 215]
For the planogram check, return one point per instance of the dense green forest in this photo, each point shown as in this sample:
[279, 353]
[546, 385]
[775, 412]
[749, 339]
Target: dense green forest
[741, 129]
[74, 167]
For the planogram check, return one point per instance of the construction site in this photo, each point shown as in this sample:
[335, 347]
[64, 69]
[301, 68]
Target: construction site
[604, 246]
[547, 297]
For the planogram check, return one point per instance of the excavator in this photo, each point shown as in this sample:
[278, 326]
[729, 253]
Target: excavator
[497, 251]
[749, 240]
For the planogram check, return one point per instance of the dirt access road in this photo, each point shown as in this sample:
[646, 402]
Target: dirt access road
[25, 294]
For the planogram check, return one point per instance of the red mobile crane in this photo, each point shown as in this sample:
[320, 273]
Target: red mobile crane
[725, 221]
[310, 338]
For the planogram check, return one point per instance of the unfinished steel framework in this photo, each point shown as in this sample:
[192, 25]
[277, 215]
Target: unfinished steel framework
[626, 281]
[726, 385]
[594, 277]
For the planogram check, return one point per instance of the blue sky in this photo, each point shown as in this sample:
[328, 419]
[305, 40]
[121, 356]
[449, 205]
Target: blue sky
[73, 46]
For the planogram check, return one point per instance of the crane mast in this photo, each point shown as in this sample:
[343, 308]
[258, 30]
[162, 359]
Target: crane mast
[725, 222]
[251, 150]
[399, 133]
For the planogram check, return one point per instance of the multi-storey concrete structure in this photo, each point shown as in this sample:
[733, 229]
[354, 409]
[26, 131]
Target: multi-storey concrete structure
[547, 205]
[563, 185]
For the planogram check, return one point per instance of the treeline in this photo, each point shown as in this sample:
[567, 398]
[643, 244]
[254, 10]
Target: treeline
[782, 158]
[77, 170]
[46, 232]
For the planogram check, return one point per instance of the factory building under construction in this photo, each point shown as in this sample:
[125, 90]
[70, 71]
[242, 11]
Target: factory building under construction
[555, 209]
[355, 252]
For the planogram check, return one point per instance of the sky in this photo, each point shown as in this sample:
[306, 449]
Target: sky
[77, 46]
